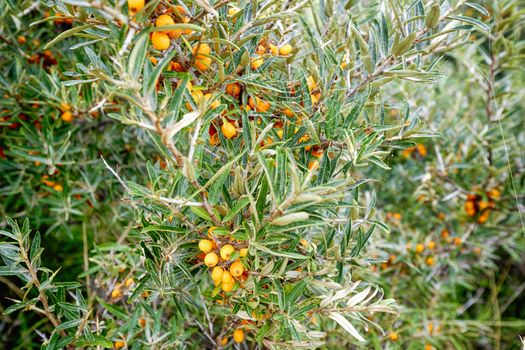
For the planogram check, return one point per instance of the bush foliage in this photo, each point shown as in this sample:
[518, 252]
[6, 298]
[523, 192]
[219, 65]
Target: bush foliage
[262, 175]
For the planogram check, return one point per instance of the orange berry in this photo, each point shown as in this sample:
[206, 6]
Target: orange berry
[431, 245]
[119, 344]
[58, 188]
[256, 63]
[164, 20]
[429, 261]
[238, 335]
[142, 322]
[129, 282]
[64, 106]
[211, 259]
[21, 39]
[67, 116]
[228, 129]
[314, 164]
[285, 50]
[161, 41]
[116, 293]
[203, 63]
[457, 241]
[243, 252]
[136, 5]
[393, 336]
[216, 273]
[273, 49]
[226, 251]
[259, 105]
[420, 248]
[205, 245]
[201, 50]
[227, 287]
[233, 89]
[237, 269]
[227, 278]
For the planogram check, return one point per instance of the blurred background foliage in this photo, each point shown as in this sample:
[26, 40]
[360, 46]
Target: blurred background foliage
[454, 259]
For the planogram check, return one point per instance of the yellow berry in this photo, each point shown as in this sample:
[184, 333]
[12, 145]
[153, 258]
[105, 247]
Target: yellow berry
[164, 20]
[216, 273]
[136, 5]
[203, 63]
[237, 269]
[273, 49]
[211, 259]
[238, 335]
[429, 261]
[232, 11]
[161, 41]
[67, 116]
[119, 344]
[129, 282]
[226, 251]
[228, 129]
[393, 336]
[58, 188]
[431, 245]
[285, 50]
[227, 277]
[420, 248]
[205, 245]
[227, 287]
[256, 63]
[115, 293]
[243, 252]
[201, 50]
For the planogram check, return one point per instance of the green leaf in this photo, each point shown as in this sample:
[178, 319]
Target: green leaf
[66, 34]
[138, 56]
[241, 203]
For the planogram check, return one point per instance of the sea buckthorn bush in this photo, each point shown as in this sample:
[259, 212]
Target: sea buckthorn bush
[261, 175]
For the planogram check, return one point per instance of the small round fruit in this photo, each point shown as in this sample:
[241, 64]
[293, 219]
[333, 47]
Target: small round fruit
[129, 282]
[228, 130]
[285, 50]
[429, 261]
[273, 49]
[314, 164]
[67, 116]
[256, 63]
[393, 336]
[227, 287]
[142, 322]
[226, 251]
[58, 188]
[119, 344]
[420, 248]
[237, 269]
[227, 277]
[243, 252]
[161, 41]
[203, 63]
[116, 293]
[233, 89]
[205, 245]
[238, 335]
[216, 273]
[201, 50]
[136, 5]
[211, 259]
[164, 20]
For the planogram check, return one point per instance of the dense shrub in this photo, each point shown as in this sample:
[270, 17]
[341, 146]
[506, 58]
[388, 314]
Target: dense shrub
[261, 174]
